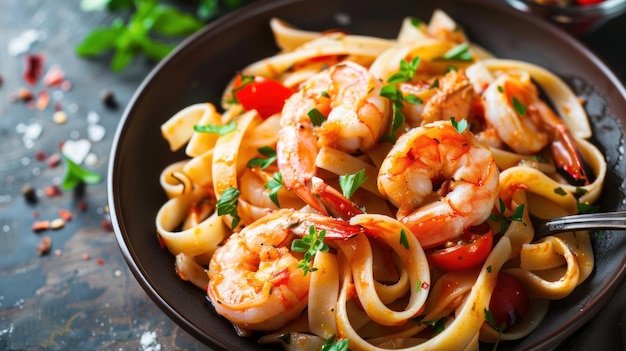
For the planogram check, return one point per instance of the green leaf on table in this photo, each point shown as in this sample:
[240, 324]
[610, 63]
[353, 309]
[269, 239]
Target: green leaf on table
[99, 40]
[170, 21]
[154, 49]
[75, 174]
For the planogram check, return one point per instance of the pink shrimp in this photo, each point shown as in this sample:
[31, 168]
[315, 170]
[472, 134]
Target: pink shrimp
[441, 180]
[353, 118]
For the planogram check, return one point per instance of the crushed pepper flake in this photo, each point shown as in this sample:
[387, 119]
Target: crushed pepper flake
[44, 246]
[57, 223]
[54, 160]
[54, 77]
[65, 214]
[43, 99]
[33, 68]
[39, 226]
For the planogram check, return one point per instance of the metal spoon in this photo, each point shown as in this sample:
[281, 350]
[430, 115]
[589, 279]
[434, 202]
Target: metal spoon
[589, 221]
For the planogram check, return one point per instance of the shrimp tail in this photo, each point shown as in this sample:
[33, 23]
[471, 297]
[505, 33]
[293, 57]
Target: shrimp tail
[566, 155]
[309, 197]
[340, 205]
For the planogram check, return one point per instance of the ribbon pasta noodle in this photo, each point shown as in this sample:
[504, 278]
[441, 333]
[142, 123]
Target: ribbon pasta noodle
[453, 147]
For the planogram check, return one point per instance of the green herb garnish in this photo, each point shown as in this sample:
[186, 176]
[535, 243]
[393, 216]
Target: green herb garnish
[332, 345]
[499, 328]
[75, 174]
[350, 182]
[404, 241]
[217, 129]
[309, 244]
[459, 53]
[227, 205]
[518, 106]
[274, 185]
[270, 157]
[406, 73]
[505, 221]
[317, 118]
[127, 39]
[460, 126]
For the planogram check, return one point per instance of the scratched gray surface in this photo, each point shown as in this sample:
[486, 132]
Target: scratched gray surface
[66, 302]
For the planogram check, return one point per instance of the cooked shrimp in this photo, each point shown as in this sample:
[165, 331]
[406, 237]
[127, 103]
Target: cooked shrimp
[510, 108]
[254, 279]
[356, 116]
[527, 124]
[442, 181]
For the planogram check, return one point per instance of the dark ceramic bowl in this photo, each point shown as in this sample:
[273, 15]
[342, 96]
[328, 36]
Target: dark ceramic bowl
[200, 68]
[576, 19]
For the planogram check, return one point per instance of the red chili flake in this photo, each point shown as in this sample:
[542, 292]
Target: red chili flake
[106, 225]
[82, 205]
[65, 214]
[58, 106]
[43, 99]
[22, 94]
[40, 156]
[100, 261]
[43, 248]
[33, 68]
[58, 252]
[54, 77]
[66, 85]
[39, 226]
[425, 285]
[54, 160]
[52, 190]
[86, 256]
[35, 214]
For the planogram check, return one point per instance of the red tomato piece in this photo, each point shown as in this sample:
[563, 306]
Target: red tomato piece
[510, 302]
[470, 251]
[265, 95]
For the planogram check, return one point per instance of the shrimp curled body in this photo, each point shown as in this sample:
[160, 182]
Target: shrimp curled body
[356, 116]
[442, 181]
[513, 109]
[254, 279]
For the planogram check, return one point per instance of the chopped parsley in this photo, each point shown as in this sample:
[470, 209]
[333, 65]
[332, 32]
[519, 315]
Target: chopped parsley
[317, 118]
[519, 107]
[227, 205]
[460, 126]
[217, 129]
[499, 328]
[406, 72]
[403, 239]
[560, 191]
[459, 53]
[245, 80]
[75, 174]
[310, 244]
[274, 185]
[270, 157]
[349, 183]
[332, 344]
[505, 221]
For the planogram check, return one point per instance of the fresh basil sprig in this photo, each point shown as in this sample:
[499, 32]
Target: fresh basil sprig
[75, 174]
[126, 39]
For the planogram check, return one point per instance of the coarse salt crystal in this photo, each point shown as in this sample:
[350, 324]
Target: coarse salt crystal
[95, 132]
[76, 150]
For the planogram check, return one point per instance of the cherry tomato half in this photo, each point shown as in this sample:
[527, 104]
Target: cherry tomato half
[265, 95]
[509, 301]
[470, 250]
[588, 2]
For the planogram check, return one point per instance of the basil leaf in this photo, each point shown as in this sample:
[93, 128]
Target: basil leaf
[75, 174]
[172, 22]
[98, 41]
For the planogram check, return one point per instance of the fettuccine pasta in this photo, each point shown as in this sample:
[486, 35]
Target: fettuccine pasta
[378, 192]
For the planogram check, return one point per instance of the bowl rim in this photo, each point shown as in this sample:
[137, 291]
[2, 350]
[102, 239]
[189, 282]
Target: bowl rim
[553, 338]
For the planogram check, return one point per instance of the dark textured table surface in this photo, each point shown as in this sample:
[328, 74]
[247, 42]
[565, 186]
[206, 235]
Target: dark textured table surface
[81, 295]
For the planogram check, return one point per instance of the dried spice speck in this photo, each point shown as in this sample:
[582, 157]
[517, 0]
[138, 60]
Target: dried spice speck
[57, 223]
[43, 248]
[29, 194]
[109, 99]
[59, 117]
[39, 226]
